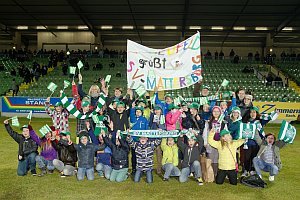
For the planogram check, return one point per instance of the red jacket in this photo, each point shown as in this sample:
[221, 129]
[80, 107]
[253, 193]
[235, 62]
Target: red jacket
[76, 101]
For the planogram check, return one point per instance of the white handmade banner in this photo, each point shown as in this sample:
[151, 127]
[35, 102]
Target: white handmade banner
[175, 67]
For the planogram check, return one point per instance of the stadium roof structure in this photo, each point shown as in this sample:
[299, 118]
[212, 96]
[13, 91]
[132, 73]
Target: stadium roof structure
[143, 20]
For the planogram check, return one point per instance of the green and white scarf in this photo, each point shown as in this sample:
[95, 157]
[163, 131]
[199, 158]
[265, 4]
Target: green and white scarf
[73, 110]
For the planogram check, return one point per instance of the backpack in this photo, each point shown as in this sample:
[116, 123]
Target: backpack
[253, 181]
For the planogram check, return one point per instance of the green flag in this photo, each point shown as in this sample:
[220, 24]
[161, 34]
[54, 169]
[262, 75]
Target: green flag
[52, 87]
[176, 101]
[225, 83]
[79, 65]
[15, 121]
[221, 118]
[66, 84]
[287, 132]
[246, 131]
[72, 70]
[107, 78]
[29, 115]
[140, 90]
[45, 129]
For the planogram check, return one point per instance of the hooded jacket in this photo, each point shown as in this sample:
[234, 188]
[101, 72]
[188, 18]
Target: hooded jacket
[172, 119]
[194, 155]
[66, 153]
[47, 150]
[86, 154]
[276, 150]
[119, 153]
[170, 153]
[26, 145]
[138, 123]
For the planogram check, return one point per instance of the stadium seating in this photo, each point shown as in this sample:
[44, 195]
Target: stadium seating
[214, 71]
[291, 68]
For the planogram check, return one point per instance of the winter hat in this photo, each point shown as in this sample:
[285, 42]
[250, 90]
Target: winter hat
[85, 104]
[115, 100]
[183, 103]
[58, 104]
[224, 132]
[205, 87]
[190, 135]
[158, 107]
[236, 109]
[120, 103]
[168, 95]
[173, 106]
[139, 108]
[82, 134]
[218, 108]
[194, 105]
[142, 101]
[65, 133]
[255, 108]
[249, 96]
[24, 126]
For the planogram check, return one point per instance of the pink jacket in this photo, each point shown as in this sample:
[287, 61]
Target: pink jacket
[171, 119]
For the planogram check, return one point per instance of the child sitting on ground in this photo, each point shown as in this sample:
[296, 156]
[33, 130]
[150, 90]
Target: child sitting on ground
[48, 152]
[170, 158]
[67, 155]
[191, 153]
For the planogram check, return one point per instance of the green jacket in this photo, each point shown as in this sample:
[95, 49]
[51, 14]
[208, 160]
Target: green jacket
[276, 150]
[170, 153]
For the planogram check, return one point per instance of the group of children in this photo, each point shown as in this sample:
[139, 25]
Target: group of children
[208, 133]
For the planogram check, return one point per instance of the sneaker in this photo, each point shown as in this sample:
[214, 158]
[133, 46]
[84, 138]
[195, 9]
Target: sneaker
[200, 181]
[260, 176]
[101, 174]
[50, 171]
[252, 173]
[63, 175]
[33, 172]
[165, 179]
[191, 174]
[43, 173]
[245, 174]
[271, 178]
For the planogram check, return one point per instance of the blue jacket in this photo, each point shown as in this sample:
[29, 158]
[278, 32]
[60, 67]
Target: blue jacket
[206, 115]
[138, 123]
[164, 105]
[119, 153]
[103, 157]
[86, 154]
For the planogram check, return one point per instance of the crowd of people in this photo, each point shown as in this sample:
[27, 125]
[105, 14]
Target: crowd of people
[208, 148]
